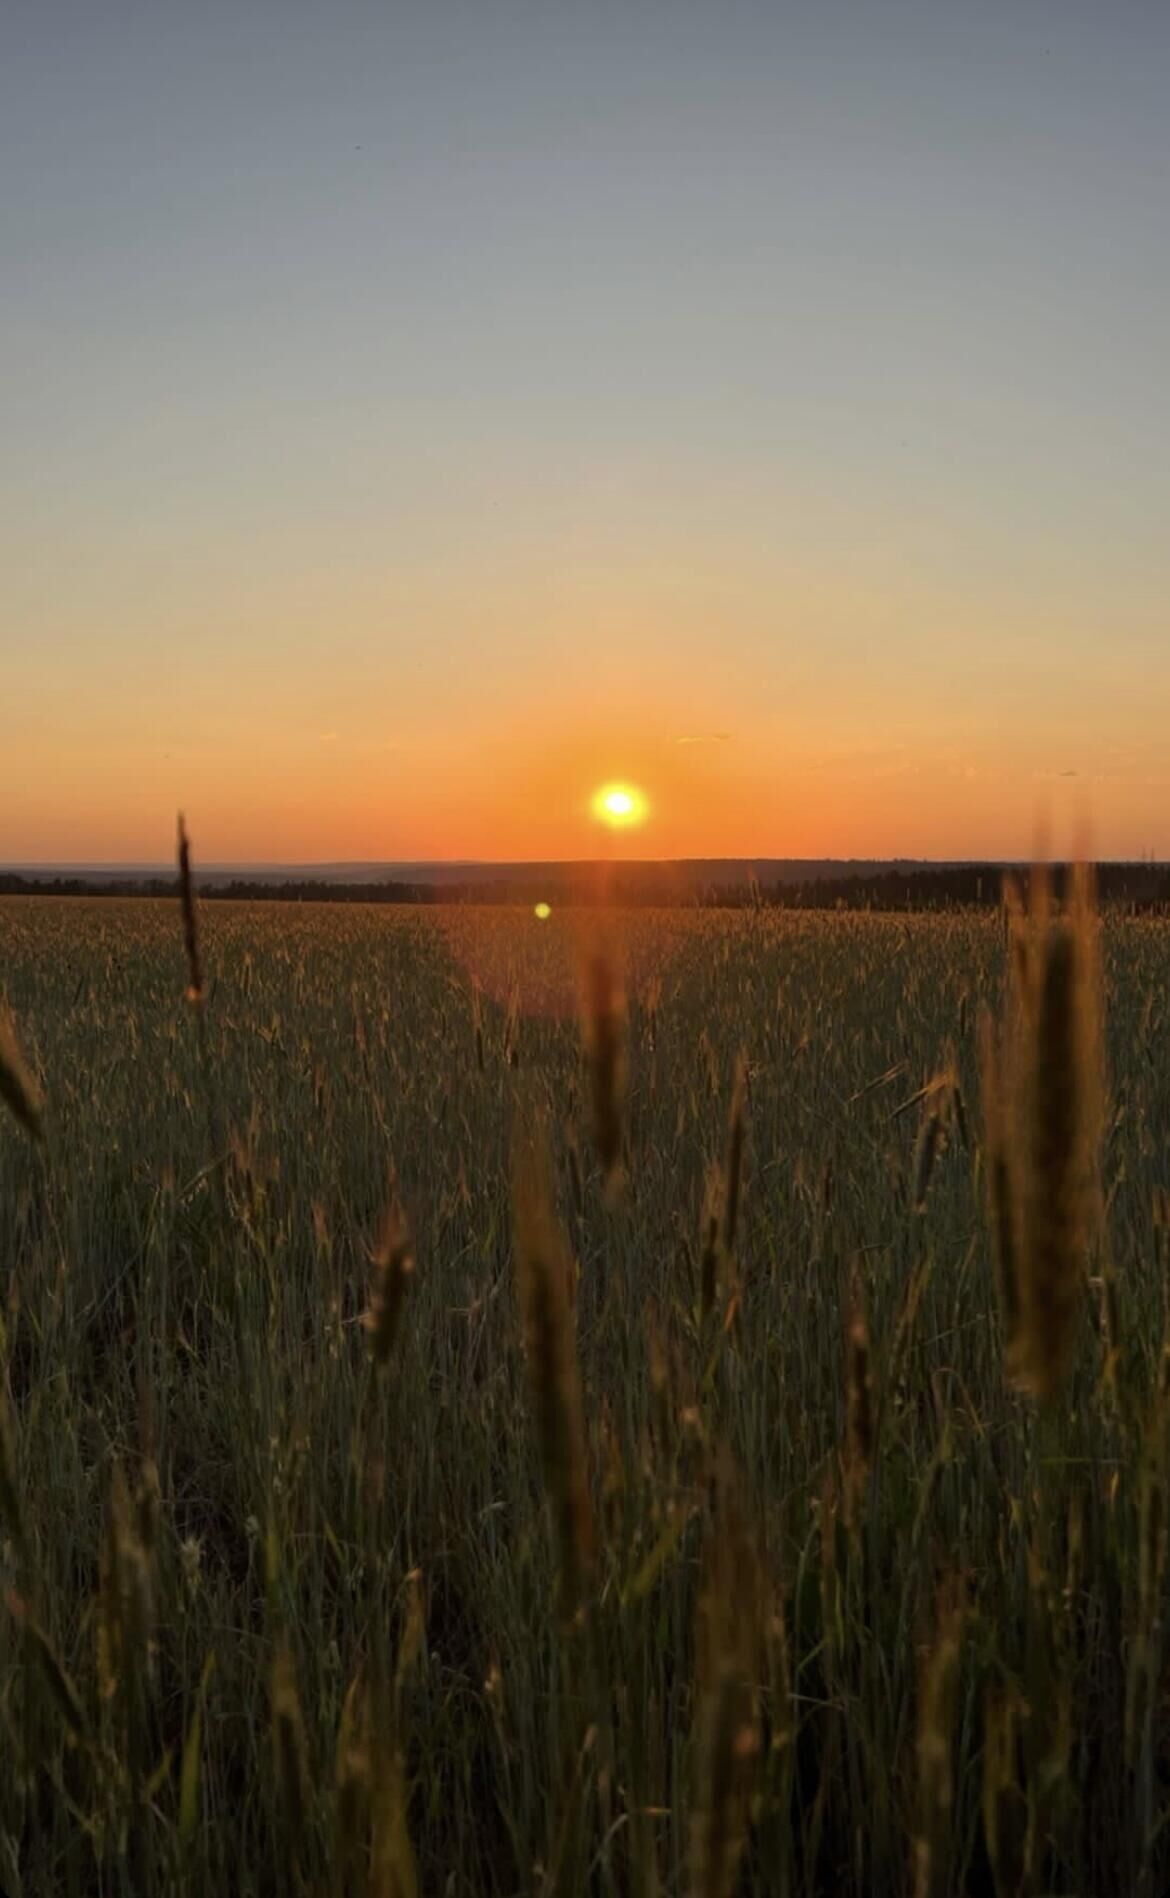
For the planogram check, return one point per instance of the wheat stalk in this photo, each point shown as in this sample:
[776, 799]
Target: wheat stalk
[729, 1650]
[18, 1089]
[543, 1273]
[393, 1261]
[605, 1041]
[1042, 1088]
[190, 918]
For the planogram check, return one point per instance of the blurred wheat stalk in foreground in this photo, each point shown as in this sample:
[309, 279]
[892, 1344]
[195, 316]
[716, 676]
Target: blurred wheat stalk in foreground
[18, 1088]
[1042, 1094]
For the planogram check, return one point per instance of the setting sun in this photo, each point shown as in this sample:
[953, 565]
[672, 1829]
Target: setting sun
[619, 805]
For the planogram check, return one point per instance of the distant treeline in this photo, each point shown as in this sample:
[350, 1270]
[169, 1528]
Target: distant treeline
[1138, 886]
[241, 889]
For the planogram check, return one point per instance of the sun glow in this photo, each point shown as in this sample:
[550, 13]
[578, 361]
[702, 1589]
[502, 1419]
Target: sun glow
[619, 805]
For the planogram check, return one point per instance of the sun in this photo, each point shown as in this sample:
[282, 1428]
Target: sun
[619, 805]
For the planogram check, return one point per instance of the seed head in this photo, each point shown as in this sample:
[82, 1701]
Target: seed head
[18, 1088]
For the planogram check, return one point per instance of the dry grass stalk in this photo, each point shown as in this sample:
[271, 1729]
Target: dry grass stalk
[576, 1181]
[352, 1778]
[412, 1636]
[290, 1752]
[1005, 1805]
[907, 1320]
[477, 1023]
[190, 919]
[735, 1134]
[925, 1153]
[373, 1852]
[959, 1115]
[1054, 1184]
[125, 1620]
[720, 1219]
[1111, 1328]
[18, 1088]
[859, 1400]
[997, 1159]
[1042, 1106]
[11, 1514]
[709, 1250]
[512, 1029]
[936, 1724]
[605, 1041]
[729, 1661]
[543, 1270]
[191, 1766]
[393, 1261]
[392, 1865]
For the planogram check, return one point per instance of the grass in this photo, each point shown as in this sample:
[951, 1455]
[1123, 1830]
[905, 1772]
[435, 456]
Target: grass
[697, 1539]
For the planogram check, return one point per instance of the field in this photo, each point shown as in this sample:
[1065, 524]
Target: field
[429, 1464]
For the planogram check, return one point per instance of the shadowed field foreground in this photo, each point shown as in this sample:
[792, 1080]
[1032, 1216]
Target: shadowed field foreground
[452, 1442]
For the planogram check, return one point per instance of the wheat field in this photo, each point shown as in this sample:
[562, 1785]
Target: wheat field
[522, 1407]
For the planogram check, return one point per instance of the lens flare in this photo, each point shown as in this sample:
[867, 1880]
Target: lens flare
[619, 805]
[542, 912]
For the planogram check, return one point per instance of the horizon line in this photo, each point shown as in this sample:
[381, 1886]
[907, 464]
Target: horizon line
[63, 866]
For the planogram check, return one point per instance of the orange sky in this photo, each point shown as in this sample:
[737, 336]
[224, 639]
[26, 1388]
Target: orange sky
[796, 778]
[766, 707]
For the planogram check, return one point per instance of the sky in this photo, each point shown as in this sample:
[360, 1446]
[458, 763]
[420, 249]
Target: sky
[414, 415]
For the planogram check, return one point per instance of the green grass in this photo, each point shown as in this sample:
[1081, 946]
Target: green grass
[275, 1610]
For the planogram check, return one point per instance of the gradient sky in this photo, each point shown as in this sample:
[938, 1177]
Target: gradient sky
[412, 415]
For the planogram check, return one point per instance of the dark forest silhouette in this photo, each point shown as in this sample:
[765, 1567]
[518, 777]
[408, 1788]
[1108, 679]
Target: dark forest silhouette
[1140, 886]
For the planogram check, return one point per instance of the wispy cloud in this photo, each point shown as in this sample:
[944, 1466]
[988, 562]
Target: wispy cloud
[702, 738]
[328, 738]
